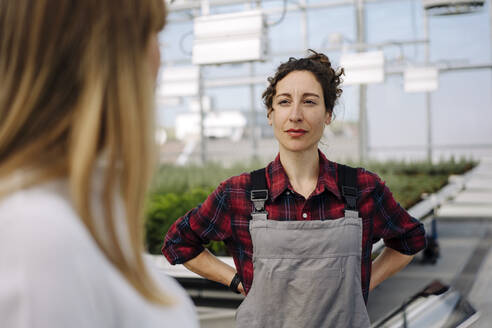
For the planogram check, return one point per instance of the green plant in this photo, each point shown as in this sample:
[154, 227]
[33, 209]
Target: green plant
[164, 208]
[177, 179]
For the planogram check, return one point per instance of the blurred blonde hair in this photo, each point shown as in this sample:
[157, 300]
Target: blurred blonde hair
[76, 82]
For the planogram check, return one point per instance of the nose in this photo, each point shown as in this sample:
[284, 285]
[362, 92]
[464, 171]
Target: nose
[295, 114]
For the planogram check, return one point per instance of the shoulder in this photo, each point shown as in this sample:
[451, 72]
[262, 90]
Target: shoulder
[237, 183]
[43, 217]
[369, 184]
[367, 181]
[372, 189]
[234, 191]
[39, 225]
[46, 249]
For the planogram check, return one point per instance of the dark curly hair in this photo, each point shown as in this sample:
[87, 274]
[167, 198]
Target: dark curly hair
[320, 66]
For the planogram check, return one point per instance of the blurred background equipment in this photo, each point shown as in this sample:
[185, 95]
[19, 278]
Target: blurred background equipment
[363, 67]
[421, 79]
[234, 46]
[436, 306]
[229, 38]
[178, 81]
[452, 7]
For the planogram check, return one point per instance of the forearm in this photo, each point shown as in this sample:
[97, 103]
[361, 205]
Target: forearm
[210, 267]
[387, 264]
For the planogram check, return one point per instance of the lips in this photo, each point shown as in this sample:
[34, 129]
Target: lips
[296, 132]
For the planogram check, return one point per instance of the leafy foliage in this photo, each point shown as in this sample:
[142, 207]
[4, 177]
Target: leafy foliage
[178, 179]
[409, 180]
[164, 208]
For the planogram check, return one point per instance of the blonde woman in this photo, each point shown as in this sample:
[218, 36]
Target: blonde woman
[76, 141]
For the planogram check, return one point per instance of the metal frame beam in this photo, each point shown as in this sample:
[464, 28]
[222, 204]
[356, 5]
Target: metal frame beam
[301, 6]
[190, 5]
[395, 70]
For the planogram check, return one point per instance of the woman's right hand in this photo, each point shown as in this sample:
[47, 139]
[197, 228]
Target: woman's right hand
[240, 288]
[210, 267]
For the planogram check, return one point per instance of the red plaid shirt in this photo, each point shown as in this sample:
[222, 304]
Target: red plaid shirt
[225, 215]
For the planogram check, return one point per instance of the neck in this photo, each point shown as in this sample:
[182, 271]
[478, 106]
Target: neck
[302, 168]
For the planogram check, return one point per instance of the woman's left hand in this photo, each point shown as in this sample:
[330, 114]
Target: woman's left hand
[387, 264]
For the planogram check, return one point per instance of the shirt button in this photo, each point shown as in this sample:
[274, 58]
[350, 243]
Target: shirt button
[288, 192]
[304, 215]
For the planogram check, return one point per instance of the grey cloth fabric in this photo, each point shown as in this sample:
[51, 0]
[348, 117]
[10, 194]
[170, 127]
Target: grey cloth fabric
[306, 274]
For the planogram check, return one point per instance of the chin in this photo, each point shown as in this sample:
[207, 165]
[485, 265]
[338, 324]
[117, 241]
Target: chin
[299, 146]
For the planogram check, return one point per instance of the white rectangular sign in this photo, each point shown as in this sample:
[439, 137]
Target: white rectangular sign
[421, 79]
[228, 38]
[363, 68]
[178, 81]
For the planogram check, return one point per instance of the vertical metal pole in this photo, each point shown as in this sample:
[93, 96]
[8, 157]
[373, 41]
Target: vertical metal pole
[254, 137]
[363, 123]
[203, 141]
[428, 99]
[205, 10]
[429, 126]
[414, 27]
[253, 120]
[361, 40]
[205, 7]
[490, 26]
[304, 26]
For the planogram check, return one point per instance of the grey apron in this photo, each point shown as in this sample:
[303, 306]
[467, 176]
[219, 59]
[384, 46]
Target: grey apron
[306, 274]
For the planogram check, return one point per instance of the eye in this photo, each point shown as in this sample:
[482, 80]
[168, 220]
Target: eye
[310, 102]
[283, 102]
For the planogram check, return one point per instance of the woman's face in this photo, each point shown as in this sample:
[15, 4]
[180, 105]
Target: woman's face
[299, 114]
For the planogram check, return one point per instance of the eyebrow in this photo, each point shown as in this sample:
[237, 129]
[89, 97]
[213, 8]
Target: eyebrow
[307, 94]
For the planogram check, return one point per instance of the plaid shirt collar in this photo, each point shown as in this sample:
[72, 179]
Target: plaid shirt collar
[278, 181]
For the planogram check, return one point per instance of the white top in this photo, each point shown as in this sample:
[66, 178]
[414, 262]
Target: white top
[52, 273]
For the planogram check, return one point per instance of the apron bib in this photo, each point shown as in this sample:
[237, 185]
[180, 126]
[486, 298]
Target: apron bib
[306, 274]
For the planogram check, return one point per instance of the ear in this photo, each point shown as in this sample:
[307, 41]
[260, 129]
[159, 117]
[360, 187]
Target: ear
[269, 117]
[328, 118]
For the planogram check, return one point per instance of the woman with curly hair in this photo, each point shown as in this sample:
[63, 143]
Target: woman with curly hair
[301, 230]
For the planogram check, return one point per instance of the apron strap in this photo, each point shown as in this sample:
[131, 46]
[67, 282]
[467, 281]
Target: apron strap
[347, 184]
[259, 194]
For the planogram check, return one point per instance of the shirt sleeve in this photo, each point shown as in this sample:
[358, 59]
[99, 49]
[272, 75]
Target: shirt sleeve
[208, 221]
[399, 230]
